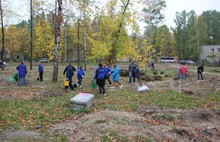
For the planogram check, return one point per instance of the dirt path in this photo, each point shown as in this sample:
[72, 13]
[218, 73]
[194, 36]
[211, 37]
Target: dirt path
[147, 123]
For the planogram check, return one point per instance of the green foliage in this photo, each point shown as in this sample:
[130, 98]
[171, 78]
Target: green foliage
[212, 18]
[152, 10]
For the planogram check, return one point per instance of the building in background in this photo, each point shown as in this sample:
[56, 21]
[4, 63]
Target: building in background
[210, 54]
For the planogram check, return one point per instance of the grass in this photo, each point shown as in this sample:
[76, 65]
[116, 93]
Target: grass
[114, 136]
[26, 114]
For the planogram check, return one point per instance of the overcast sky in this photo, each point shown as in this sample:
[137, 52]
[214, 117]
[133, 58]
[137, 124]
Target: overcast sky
[173, 6]
[198, 6]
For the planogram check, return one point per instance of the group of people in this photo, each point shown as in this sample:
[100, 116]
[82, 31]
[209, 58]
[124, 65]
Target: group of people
[21, 73]
[183, 70]
[103, 73]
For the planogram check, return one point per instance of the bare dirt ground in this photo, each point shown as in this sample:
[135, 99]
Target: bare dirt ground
[148, 122]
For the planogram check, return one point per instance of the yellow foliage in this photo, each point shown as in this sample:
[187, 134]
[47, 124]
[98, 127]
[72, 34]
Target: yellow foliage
[44, 43]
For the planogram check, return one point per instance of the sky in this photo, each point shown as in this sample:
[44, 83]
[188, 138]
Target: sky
[173, 6]
[198, 6]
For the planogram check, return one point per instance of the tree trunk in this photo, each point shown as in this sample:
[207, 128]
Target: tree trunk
[3, 33]
[31, 34]
[58, 19]
[84, 36]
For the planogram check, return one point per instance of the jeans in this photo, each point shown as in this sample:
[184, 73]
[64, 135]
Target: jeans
[80, 80]
[20, 80]
[183, 76]
[131, 75]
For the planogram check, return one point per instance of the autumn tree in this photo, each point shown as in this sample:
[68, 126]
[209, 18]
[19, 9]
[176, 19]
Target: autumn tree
[44, 39]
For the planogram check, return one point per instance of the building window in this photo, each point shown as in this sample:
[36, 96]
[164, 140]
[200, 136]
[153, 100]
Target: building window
[212, 50]
[218, 49]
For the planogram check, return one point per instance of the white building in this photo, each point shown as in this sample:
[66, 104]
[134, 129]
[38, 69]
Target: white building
[210, 54]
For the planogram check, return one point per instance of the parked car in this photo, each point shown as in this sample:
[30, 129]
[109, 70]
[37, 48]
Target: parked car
[190, 62]
[44, 60]
[186, 62]
[182, 61]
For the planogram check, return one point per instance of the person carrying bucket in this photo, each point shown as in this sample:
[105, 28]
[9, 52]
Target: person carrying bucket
[69, 71]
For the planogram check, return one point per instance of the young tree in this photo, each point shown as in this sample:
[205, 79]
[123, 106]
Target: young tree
[112, 58]
[180, 33]
[152, 17]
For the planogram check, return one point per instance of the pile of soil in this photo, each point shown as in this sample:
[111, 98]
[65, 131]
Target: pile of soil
[147, 123]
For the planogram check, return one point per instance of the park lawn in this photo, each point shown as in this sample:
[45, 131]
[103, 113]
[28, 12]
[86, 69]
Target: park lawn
[27, 114]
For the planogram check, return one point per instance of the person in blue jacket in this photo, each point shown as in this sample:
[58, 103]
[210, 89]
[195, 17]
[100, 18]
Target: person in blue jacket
[40, 70]
[109, 71]
[69, 71]
[100, 76]
[137, 73]
[80, 75]
[116, 76]
[22, 71]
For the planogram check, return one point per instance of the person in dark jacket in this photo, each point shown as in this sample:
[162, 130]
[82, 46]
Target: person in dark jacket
[40, 70]
[80, 75]
[22, 71]
[137, 73]
[152, 65]
[131, 71]
[100, 76]
[109, 71]
[69, 71]
[200, 70]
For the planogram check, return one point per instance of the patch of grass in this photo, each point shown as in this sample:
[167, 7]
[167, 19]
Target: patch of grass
[212, 99]
[114, 136]
[171, 99]
[125, 101]
[26, 114]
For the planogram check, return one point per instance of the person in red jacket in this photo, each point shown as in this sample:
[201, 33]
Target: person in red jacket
[183, 72]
